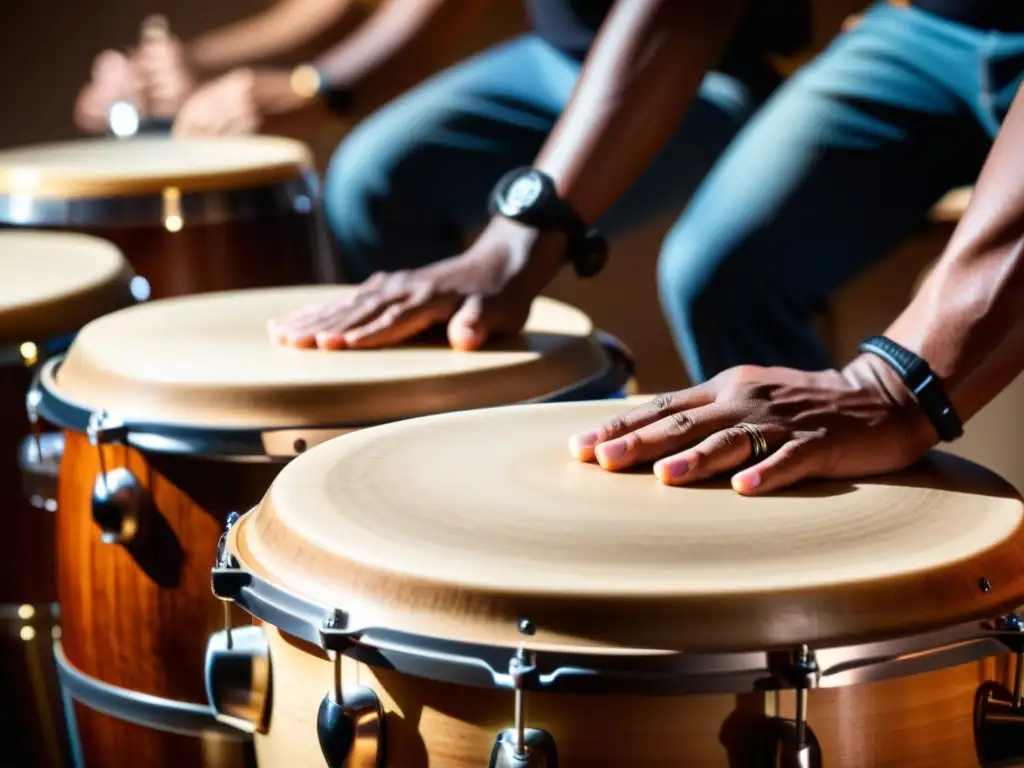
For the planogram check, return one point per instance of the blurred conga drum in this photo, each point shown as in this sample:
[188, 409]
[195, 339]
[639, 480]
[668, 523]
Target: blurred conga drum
[50, 285]
[190, 215]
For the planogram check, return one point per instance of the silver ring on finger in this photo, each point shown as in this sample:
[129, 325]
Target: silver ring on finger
[758, 443]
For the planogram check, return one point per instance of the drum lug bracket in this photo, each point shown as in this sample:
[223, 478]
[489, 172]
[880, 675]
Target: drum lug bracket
[998, 712]
[797, 745]
[104, 428]
[539, 750]
[350, 725]
[335, 633]
[238, 677]
[519, 746]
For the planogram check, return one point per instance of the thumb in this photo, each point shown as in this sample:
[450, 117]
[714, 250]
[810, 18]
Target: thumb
[469, 328]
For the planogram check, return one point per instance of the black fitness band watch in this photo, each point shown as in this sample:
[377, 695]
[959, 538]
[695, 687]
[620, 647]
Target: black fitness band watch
[529, 197]
[919, 378]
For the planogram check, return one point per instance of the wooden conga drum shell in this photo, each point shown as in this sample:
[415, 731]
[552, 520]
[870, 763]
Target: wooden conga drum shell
[211, 409]
[50, 285]
[659, 625]
[130, 614]
[190, 215]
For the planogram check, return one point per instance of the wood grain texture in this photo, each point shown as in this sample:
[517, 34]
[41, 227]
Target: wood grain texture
[152, 363]
[278, 249]
[138, 616]
[922, 721]
[460, 524]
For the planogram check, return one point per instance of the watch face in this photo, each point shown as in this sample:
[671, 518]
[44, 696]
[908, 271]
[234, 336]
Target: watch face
[522, 194]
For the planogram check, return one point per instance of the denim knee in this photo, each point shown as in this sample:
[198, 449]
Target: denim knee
[355, 197]
[707, 297]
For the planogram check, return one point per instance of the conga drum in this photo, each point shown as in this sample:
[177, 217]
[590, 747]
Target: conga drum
[181, 411]
[456, 591]
[190, 215]
[50, 285]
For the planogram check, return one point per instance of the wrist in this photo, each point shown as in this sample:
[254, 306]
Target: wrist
[274, 92]
[527, 257]
[870, 373]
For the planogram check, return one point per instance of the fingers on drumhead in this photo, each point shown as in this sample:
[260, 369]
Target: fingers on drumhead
[668, 434]
[720, 452]
[796, 460]
[660, 408]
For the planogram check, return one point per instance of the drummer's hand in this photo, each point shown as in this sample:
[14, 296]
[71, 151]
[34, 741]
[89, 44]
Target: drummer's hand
[166, 76]
[487, 291]
[223, 107]
[828, 424]
[114, 78]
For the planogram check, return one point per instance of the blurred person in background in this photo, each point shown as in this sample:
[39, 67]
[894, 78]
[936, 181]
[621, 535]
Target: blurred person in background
[840, 164]
[410, 183]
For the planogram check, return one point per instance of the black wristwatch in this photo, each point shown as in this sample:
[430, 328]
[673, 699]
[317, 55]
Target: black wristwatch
[529, 196]
[919, 378]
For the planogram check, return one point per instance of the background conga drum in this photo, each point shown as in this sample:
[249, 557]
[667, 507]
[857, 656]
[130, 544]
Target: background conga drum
[190, 215]
[194, 411]
[451, 582]
[50, 285]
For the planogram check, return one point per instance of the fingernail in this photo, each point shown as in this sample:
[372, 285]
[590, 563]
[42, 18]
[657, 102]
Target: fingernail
[746, 482]
[673, 469]
[585, 440]
[613, 450]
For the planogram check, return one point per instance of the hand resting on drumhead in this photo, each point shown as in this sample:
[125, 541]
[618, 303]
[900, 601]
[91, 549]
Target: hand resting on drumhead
[854, 422]
[966, 322]
[486, 291]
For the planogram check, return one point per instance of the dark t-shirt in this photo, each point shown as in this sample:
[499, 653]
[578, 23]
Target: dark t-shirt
[1007, 15]
[771, 26]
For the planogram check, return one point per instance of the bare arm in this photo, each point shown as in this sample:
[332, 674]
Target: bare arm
[967, 320]
[284, 26]
[401, 36]
[637, 84]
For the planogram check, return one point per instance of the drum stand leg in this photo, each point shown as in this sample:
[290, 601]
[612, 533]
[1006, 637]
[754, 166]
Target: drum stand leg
[999, 713]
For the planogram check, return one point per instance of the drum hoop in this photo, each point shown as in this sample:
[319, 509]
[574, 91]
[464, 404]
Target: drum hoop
[247, 445]
[486, 666]
[298, 195]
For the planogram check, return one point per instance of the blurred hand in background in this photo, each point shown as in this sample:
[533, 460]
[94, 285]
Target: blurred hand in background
[115, 77]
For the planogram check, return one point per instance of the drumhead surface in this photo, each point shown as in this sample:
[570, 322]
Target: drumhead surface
[458, 525]
[208, 361]
[53, 283]
[149, 165]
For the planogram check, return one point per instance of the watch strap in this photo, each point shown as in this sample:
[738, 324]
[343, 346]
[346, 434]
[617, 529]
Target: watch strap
[587, 249]
[919, 378]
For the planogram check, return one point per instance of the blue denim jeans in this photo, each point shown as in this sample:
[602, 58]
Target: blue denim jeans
[838, 166]
[411, 182]
[835, 168]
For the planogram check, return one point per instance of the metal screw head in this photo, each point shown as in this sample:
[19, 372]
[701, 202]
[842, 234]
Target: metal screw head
[332, 620]
[984, 585]
[526, 627]
[299, 445]
[232, 518]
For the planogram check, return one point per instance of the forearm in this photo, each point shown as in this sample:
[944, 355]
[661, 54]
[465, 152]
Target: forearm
[638, 82]
[967, 320]
[401, 36]
[283, 27]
